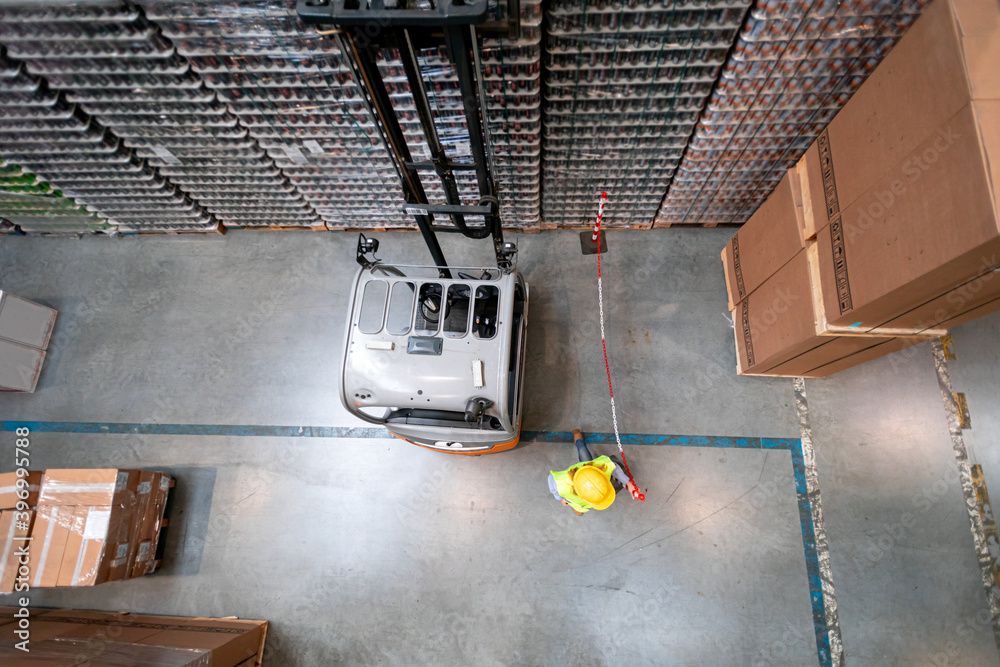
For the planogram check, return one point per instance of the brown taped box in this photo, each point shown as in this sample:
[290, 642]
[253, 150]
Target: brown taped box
[86, 560]
[123, 530]
[899, 189]
[49, 534]
[946, 60]
[231, 641]
[154, 488]
[768, 240]
[9, 496]
[86, 486]
[14, 527]
[775, 330]
[910, 240]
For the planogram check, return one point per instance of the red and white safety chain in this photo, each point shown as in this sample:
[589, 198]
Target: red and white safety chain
[600, 303]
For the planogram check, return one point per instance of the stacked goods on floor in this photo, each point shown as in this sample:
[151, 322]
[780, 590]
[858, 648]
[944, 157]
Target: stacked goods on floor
[25, 330]
[512, 71]
[313, 151]
[130, 78]
[34, 206]
[84, 526]
[888, 230]
[41, 136]
[794, 66]
[69, 637]
[103, 58]
[624, 88]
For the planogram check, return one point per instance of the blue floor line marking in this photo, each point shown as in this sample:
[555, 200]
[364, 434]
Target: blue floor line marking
[793, 445]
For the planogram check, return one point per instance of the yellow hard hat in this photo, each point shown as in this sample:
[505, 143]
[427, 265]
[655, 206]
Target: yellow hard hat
[591, 485]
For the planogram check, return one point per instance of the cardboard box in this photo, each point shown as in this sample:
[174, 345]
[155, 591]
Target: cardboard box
[123, 529]
[148, 525]
[86, 486]
[49, 534]
[14, 527]
[914, 236]
[20, 366]
[766, 242]
[209, 641]
[775, 330]
[74, 543]
[879, 347]
[85, 562]
[975, 298]
[227, 646]
[25, 322]
[899, 191]
[9, 495]
[945, 61]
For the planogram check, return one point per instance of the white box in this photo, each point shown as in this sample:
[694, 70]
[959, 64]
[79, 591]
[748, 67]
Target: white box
[20, 366]
[25, 322]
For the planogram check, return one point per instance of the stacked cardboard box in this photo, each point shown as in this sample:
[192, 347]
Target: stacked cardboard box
[68, 637]
[86, 526]
[888, 230]
[25, 329]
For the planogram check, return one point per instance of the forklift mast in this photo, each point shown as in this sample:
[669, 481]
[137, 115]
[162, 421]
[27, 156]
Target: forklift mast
[363, 27]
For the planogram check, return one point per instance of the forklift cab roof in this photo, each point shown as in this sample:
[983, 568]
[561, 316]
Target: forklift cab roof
[434, 353]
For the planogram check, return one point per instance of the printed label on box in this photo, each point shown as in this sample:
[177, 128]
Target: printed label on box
[164, 483]
[121, 551]
[143, 551]
[145, 487]
[164, 154]
[121, 482]
[96, 527]
[295, 155]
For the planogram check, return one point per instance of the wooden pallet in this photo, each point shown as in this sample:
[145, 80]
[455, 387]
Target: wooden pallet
[284, 228]
[220, 230]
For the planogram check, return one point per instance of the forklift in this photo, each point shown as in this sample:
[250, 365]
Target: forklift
[433, 353]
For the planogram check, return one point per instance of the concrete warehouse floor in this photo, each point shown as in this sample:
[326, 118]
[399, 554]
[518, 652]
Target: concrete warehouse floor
[366, 550]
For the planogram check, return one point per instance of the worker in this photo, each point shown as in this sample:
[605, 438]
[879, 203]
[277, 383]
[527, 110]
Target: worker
[587, 485]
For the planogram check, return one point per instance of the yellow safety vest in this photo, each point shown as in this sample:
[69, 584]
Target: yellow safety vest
[564, 482]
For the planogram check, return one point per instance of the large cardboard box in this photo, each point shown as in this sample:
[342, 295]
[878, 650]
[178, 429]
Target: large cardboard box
[86, 559]
[775, 330]
[49, 534]
[880, 346]
[14, 528]
[207, 641]
[10, 488]
[913, 236]
[766, 242]
[945, 61]
[899, 191]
